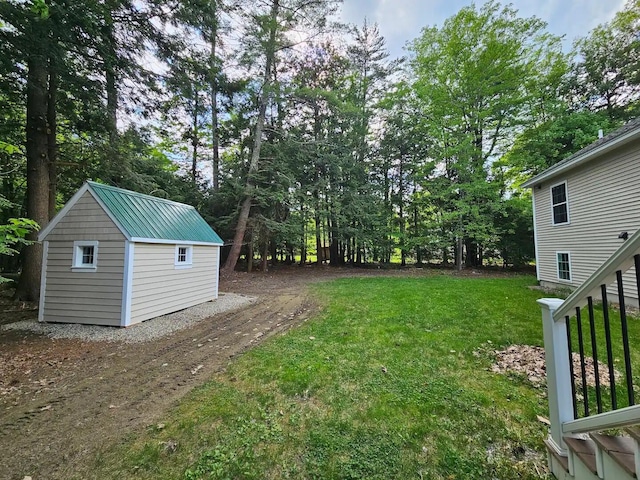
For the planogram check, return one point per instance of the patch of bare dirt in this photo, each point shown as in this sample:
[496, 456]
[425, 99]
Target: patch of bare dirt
[62, 400]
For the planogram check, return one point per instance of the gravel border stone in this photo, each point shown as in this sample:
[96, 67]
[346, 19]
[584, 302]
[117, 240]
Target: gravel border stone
[142, 332]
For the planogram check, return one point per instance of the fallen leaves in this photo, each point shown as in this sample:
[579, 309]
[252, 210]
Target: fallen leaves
[529, 361]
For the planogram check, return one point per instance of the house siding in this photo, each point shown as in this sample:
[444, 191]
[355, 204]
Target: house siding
[159, 288]
[85, 221]
[603, 198]
[91, 297]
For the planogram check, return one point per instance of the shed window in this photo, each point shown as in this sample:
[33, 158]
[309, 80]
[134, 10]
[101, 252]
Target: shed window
[183, 256]
[85, 255]
[564, 266]
[560, 203]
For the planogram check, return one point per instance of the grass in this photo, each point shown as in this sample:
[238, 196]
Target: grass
[386, 383]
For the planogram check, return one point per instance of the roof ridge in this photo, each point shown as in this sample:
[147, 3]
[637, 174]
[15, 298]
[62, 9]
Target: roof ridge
[137, 194]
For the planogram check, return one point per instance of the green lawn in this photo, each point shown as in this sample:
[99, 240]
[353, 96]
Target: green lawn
[384, 383]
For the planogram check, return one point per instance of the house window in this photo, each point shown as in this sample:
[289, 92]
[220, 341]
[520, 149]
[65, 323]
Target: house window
[560, 203]
[564, 265]
[85, 255]
[183, 256]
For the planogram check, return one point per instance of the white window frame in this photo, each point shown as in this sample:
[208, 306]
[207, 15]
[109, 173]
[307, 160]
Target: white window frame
[568, 254]
[566, 203]
[77, 264]
[188, 262]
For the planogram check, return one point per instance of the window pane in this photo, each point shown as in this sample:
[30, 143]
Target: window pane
[560, 213]
[559, 194]
[182, 255]
[564, 271]
[87, 255]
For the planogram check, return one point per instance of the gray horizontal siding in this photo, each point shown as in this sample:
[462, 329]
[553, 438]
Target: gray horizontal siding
[86, 220]
[92, 297]
[604, 200]
[159, 288]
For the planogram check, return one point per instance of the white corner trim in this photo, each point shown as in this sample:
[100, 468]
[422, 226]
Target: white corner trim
[127, 283]
[43, 280]
[217, 268]
[535, 234]
[174, 242]
[60, 215]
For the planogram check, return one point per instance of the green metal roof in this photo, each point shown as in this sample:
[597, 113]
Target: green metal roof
[144, 216]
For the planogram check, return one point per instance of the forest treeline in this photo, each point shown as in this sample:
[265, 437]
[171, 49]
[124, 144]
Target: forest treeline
[297, 136]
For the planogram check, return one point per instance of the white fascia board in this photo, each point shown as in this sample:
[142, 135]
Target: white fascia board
[174, 242]
[61, 214]
[43, 281]
[591, 154]
[127, 284]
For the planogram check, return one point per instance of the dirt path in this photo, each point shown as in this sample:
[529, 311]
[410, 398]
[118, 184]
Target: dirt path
[67, 398]
[61, 401]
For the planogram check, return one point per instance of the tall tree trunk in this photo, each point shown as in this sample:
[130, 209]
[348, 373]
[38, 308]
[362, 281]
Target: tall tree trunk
[28, 288]
[52, 124]
[215, 135]
[114, 169]
[241, 226]
[194, 138]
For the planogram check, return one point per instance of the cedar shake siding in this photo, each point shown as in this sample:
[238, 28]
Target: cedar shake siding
[159, 287]
[90, 296]
[603, 201]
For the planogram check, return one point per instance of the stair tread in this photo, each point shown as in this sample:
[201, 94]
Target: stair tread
[621, 449]
[564, 461]
[634, 432]
[585, 450]
[610, 443]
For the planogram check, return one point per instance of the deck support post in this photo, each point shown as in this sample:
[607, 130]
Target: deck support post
[558, 372]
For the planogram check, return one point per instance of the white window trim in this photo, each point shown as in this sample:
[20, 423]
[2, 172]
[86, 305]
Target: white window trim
[77, 265]
[566, 192]
[558, 267]
[189, 262]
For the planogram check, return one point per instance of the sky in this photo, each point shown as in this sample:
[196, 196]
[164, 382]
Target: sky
[401, 21]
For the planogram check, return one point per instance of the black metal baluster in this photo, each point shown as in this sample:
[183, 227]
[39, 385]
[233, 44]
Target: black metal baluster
[625, 338]
[573, 380]
[594, 350]
[607, 333]
[583, 369]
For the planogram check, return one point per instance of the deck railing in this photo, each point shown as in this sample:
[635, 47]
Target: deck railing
[598, 400]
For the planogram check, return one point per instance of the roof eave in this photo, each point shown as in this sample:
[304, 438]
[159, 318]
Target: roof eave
[175, 242]
[580, 159]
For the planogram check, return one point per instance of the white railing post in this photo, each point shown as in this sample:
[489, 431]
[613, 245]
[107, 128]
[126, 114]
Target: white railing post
[558, 373]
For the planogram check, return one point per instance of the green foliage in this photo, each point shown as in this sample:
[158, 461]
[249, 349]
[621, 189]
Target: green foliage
[13, 234]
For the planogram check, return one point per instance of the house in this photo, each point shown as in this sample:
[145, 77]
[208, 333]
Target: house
[116, 257]
[585, 207]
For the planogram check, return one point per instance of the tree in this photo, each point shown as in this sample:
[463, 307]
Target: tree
[606, 76]
[472, 76]
[266, 38]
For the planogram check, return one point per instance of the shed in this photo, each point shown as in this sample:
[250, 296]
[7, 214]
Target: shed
[116, 257]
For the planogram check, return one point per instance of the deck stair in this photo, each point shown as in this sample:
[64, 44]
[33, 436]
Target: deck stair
[596, 457]
[592, 323]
